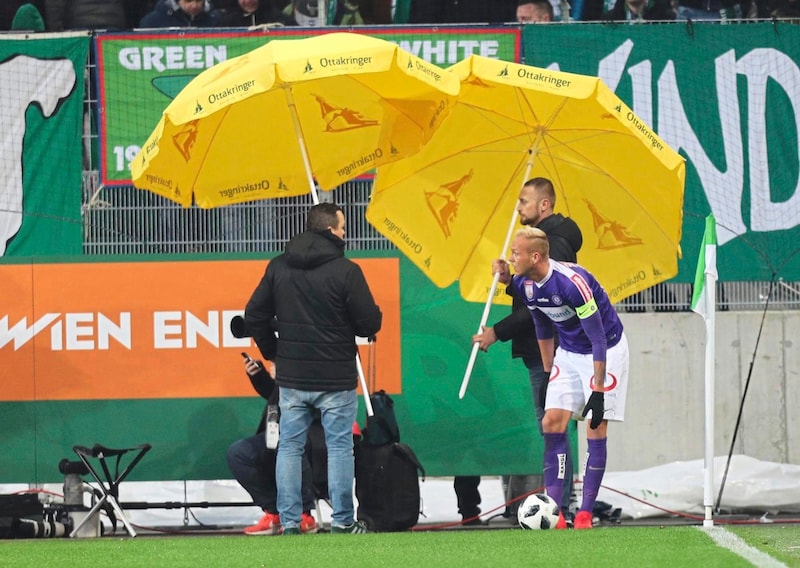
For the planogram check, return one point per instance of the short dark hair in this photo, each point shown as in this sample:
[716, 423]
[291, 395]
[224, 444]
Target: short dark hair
[544, 188]
[321, 217]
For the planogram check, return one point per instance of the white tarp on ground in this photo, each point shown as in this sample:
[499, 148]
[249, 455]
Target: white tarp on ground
[752, 486]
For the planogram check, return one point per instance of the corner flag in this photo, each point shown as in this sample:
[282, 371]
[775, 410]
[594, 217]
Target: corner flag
[706, 274]
[704, 302]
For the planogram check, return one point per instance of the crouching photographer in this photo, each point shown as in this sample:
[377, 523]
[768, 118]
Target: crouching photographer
[252, 459]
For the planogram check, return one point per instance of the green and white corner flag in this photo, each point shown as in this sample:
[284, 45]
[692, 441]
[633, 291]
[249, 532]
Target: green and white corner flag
[704, 300]
[706, 275]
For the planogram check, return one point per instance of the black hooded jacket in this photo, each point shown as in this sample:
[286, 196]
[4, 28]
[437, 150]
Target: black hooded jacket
[565, 241]
[321, 302]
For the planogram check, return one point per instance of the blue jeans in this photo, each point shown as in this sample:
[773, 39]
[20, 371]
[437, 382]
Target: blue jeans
[338, 410]
[539, 379]
[253, 466]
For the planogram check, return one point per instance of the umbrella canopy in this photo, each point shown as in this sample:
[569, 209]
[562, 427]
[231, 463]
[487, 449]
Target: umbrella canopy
[264, 124]
[451, 208]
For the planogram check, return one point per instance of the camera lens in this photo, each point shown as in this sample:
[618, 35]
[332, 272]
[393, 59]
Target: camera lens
[65, 466]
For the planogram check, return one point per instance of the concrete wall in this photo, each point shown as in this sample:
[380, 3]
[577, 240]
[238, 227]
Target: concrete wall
[665, 413]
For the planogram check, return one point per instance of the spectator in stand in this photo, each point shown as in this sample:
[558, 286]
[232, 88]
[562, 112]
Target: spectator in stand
[85, 15]
[247, 13]
[347, 13]
[562, 10]
[586, 10]
[180, 14]
[785, 9]
[378, 12]
[529, 12]
[714, 9]
[641, 11]
[304, 13]
[462, 11]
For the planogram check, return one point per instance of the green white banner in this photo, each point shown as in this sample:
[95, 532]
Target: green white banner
[41, 89]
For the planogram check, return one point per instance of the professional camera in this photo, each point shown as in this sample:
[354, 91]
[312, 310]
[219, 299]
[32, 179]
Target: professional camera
[268, 346]
[65, 466]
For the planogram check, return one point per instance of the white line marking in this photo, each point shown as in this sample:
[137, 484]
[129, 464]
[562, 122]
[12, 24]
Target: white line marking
[727, 539]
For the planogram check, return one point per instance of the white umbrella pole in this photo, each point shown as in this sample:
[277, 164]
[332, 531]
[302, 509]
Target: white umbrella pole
[301, 141]
[364, 389]
[708, 482]
[315, 197]
[485, 316]
[486, 308]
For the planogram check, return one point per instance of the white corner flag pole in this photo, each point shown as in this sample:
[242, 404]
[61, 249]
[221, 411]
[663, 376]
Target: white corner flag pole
[704, 302]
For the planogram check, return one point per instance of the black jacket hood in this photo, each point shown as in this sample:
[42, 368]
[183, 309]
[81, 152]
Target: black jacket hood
[564, 235]
[313, 248]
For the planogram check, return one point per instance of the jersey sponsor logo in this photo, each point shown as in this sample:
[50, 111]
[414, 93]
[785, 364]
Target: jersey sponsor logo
[559, 314]
[581, 285]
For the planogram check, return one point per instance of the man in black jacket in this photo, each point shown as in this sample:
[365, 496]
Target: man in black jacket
[321, 302]
[537, 199]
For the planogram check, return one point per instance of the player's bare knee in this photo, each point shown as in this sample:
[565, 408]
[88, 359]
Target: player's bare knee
[555, 421]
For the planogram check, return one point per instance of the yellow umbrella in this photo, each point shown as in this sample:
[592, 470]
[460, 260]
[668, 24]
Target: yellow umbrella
[264, 124]
[451, 207]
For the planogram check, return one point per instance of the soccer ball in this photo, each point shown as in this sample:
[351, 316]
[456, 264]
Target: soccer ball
[538, 511]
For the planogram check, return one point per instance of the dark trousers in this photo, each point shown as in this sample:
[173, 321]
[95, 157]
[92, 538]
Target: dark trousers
[253, 466]
[466, 488]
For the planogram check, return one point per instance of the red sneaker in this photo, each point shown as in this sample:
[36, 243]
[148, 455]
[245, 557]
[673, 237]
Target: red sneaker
[562, 523]
[268, 525]
[583, 520]
[307, 524]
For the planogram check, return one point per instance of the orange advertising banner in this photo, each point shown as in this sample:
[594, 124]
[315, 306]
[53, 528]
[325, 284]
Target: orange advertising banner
[150, 329]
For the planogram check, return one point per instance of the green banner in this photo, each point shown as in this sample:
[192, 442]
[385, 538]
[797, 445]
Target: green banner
[727, 97]
[42, 90]
[141, 73]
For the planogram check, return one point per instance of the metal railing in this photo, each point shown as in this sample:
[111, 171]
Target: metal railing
[127, 221]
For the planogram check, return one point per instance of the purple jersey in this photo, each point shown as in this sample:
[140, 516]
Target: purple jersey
[571, 299]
